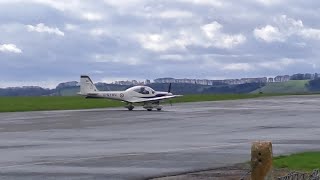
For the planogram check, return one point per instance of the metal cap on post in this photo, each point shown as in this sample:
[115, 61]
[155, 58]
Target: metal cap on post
[261, 160]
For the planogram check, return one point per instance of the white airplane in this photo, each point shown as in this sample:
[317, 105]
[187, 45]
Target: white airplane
[137, 94]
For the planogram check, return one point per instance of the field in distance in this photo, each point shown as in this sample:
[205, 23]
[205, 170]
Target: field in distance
[293, 86]
[16, 104]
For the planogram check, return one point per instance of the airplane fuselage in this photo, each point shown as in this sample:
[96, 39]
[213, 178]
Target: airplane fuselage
[137, 94]
[127, 96]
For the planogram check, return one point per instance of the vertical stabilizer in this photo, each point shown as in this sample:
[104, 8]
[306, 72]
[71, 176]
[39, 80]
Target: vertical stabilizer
[86, 85]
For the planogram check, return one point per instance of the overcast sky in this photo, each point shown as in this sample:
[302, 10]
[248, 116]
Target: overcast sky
[44, 42]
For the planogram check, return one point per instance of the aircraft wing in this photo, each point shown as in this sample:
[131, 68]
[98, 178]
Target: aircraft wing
[88, 94]
[138, 100]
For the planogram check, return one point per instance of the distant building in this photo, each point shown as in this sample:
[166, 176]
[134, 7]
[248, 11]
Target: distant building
[270, 80]
[135, 82]
[284, 78]
[147, 81]
[212, 82]
[164, 80]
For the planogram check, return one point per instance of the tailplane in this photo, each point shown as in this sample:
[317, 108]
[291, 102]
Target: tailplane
[86, 85]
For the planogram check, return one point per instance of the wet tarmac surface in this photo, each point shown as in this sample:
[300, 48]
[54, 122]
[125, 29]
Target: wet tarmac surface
[119, 144]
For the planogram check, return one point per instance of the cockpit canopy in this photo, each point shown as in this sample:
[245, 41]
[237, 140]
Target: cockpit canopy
[142, 90]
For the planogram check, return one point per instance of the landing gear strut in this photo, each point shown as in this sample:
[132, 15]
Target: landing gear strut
[130, 106]
[152, 105]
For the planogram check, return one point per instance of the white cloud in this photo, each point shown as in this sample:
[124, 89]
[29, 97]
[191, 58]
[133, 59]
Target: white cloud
[237, 67]
[172, 57]
[269, 34]
[284, 28]
[124, 3]
[279, 64]
[217, 3]
[78, 8]
[311, 33]
[219, 39]
[98, 72]
[98, 32]
[158, 42]
[270, 2]
[107, 58]
[209, 35]
[70, 27]
[60, 5]
[10, 48]
[175, 14]
[41, 28]
[92, 16]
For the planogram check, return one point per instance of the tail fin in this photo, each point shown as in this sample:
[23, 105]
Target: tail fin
[86, 85]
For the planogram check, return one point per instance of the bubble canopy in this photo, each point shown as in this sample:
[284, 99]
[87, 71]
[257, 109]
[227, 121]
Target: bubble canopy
[142, 90]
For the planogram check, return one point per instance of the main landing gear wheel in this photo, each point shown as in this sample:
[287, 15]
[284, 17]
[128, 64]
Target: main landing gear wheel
[130, 108]
[149, 109]
[159, 109]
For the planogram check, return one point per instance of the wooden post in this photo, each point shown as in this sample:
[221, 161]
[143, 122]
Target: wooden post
[261, 160]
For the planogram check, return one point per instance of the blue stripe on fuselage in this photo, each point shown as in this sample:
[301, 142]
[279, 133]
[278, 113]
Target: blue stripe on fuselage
[158, 95]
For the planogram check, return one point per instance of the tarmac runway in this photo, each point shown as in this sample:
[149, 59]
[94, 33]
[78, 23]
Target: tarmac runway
[119, 144]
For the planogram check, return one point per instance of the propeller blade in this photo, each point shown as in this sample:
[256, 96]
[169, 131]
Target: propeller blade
[169, 89]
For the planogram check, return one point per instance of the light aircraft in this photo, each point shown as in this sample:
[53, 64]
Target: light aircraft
[137, 94]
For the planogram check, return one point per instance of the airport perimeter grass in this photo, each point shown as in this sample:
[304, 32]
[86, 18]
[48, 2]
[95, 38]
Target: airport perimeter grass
[16, 104]
[307, 161]
[215, 97]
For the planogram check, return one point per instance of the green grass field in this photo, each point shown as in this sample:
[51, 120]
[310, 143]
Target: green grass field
[293, 86]
[303, 161]
[16, 104]
[215, 97]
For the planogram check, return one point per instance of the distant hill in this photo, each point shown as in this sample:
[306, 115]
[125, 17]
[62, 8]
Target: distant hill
[292, 86]
[26, 91]
[72, 88]
[177, 88]
[234, 89]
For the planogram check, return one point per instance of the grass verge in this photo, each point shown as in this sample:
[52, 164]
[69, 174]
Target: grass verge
[216, 97]
[16, 104]
[307, 161]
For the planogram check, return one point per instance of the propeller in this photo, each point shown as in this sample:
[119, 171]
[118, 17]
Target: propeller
[169, 91]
